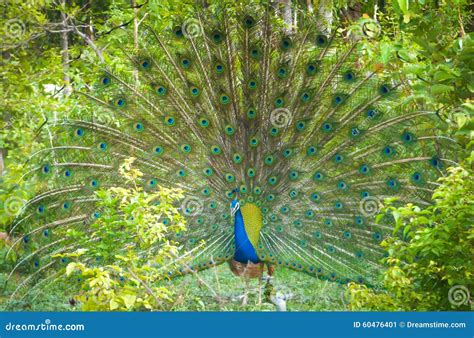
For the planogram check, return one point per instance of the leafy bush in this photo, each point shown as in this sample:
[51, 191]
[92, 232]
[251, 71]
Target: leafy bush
[430, 267]
[131, 249]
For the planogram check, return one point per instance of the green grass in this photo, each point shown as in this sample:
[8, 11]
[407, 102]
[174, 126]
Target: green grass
[52, 299]
[198, 293]
[308, 293]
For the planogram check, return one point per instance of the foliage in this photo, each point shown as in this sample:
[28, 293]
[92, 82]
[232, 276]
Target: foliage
[133, 247]
[434, 254]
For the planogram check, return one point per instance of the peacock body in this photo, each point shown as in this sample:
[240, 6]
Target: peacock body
[285, 140]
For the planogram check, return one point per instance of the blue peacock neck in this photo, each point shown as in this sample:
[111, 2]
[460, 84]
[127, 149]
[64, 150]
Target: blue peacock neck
[244, 249]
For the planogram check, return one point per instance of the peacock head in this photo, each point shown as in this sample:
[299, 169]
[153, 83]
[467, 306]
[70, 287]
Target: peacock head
[234, 207]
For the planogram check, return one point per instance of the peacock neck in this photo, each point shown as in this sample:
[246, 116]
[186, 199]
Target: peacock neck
[247, 225]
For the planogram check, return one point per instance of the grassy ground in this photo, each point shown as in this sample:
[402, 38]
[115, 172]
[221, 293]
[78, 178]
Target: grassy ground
[53, 299]
[215, 289]
[198, 292]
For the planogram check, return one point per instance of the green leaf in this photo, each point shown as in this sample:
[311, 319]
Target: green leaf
[385, 52]
[441, 88]
[129, 300]
[71, 267]
[113, 304]
[442, 75]
[404, 5]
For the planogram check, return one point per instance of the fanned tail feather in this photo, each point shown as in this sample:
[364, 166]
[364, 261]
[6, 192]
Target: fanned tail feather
[299, 122]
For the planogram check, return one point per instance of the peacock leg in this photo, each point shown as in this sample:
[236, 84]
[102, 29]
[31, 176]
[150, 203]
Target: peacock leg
[259, 291]
[246, 292]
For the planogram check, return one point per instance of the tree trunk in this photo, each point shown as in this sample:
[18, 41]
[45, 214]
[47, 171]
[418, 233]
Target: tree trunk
[287, 14]
[135, 34]
[325, 15]
[2, 162]
[352, 13]
[65, 50]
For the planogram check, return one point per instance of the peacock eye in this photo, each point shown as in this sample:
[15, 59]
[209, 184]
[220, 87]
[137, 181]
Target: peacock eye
[145, 64]
[321, 40]
[178, 32]
[161, 90]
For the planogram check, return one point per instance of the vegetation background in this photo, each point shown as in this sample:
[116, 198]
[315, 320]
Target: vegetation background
[48, 48]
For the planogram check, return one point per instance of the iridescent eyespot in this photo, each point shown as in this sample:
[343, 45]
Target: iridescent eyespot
[195, 92]
[384, 90]
[311, 69]
[300, 125]
[178, 31]
[160, 90]
[186, 148]
[416, 177]
[285, 44]
[169, 120]
[145, 64]
[327, 126]
[186, 63]
[224, 99]
[279, 102]
[321, 40]
[249, 21]
[338, 99]
[349, 76]
[253, 142]
[159, 150]
[255, 53]
[217, 37]
[219, 68]
[139, 126]
[216, 150]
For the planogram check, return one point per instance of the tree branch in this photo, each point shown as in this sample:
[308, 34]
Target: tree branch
[90, 43]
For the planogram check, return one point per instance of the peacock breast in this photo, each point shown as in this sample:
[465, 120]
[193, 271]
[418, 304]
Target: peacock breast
[253, 222]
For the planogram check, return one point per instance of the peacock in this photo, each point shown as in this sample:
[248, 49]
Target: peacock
[284, 138]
